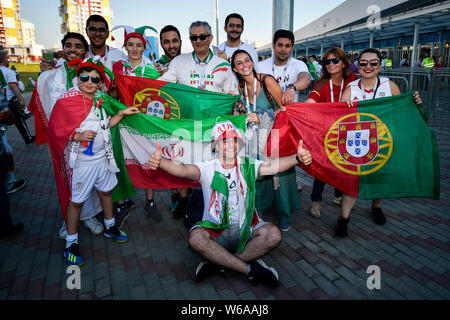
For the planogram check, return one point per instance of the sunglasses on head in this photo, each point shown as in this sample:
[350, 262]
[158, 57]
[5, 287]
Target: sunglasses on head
[85, 78]
[364, 63]
[334, 60]
[202, 37]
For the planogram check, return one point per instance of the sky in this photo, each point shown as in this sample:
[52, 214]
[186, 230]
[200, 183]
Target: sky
[44, 14]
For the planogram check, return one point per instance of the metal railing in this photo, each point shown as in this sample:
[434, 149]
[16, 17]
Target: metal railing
[433, 86]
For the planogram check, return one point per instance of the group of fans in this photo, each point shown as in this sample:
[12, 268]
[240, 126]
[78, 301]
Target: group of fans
[231, 233]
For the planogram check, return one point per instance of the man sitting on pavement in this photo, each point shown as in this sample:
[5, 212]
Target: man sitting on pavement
[231, 234]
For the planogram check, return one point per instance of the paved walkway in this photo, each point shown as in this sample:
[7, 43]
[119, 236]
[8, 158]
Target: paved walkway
[412, 249]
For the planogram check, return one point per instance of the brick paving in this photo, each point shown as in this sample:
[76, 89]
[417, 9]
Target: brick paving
[412, 249]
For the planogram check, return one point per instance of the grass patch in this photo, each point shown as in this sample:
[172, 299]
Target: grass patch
[25, 72]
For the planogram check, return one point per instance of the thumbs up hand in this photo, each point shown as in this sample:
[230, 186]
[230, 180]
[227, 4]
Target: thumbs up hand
[303, 155]
[155, 158]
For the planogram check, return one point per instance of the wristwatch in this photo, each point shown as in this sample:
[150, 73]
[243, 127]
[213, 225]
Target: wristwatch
[292, 86]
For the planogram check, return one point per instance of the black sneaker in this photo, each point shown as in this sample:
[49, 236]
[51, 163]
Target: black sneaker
[15, 229]
[260, 272]
[130, 204]
[180, 210]
[31, 140]
[341, 228]
[151, 211]
[206, 269]
[19, 184]
[121, 214]
[378, 215]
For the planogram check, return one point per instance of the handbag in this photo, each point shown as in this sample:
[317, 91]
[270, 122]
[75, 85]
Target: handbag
[6, 116]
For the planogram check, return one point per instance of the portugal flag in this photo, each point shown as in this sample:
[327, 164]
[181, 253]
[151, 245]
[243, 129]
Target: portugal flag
[378, 149]
[171, 100]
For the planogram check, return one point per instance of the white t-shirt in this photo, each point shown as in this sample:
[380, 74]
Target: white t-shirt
[242, 46]
[10, 77]
[112, 55]
[207, 169]
[92, 123]
[215, 76]
[285, 75]
[384, 90]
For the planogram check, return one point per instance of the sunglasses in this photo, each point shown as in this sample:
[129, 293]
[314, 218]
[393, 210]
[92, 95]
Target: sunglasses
[85, 78]
[99, 30]
[364, 63]
[328, 61]
[202, 37]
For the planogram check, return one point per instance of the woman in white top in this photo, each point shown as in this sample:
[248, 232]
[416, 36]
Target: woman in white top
[369, 86]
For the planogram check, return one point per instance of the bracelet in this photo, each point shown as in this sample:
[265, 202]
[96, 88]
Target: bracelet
[120, 113]
[298, 159]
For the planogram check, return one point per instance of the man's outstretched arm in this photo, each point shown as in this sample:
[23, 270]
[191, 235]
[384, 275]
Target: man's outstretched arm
[281, 164]
[175, 168]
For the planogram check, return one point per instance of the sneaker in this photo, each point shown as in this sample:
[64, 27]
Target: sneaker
[314, 209]
[206, 269]
[174, 200]
[260, 272]
[116, 234]
[73, 256]
[93, 225]
[31, 140]
[16, 186]
[180, 210]
[337, 200]
[121, 214]
[130, 204]
[378, 215]
[284, 226]
[341, 228]
[63, 231]
[15, 229]
[152, 212]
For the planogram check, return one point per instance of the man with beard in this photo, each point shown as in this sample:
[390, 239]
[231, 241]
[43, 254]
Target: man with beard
[170, 40]
[291, 74]
[234, 26]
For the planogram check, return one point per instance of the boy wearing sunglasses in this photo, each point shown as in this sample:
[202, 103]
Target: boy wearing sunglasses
[81, 175]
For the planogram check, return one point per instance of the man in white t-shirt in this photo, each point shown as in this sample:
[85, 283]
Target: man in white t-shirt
[201, 68]
[231, 234]
[291, 74]
[234, 26]
[97, 31]
[16, 102]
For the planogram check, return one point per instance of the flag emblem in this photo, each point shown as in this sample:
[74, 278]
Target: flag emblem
[358, 144]
[157, 103]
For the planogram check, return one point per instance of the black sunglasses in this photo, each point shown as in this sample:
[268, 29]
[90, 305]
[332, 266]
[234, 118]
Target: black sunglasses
[99, 30]
[364, 63]
[202, 37]
[328, 61]
[85, 78]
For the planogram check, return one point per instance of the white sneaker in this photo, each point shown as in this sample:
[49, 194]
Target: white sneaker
[94, 225]
[314, 209]
[337, 200]
[63, 231]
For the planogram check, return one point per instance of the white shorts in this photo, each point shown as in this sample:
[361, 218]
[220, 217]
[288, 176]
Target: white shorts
[87, 178]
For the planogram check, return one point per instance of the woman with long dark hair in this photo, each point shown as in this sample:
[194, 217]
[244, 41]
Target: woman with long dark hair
[262, 96]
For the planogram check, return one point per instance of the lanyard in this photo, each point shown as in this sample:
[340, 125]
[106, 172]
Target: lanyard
[340, 93]
[203, 65]
[376, 89]
[284, 72]
[254, 96]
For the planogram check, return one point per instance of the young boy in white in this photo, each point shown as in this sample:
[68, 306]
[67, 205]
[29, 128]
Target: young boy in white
[81, 169]
[231, 235]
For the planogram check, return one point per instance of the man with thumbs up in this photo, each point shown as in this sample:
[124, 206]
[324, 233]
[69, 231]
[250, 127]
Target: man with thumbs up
[231, 234]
